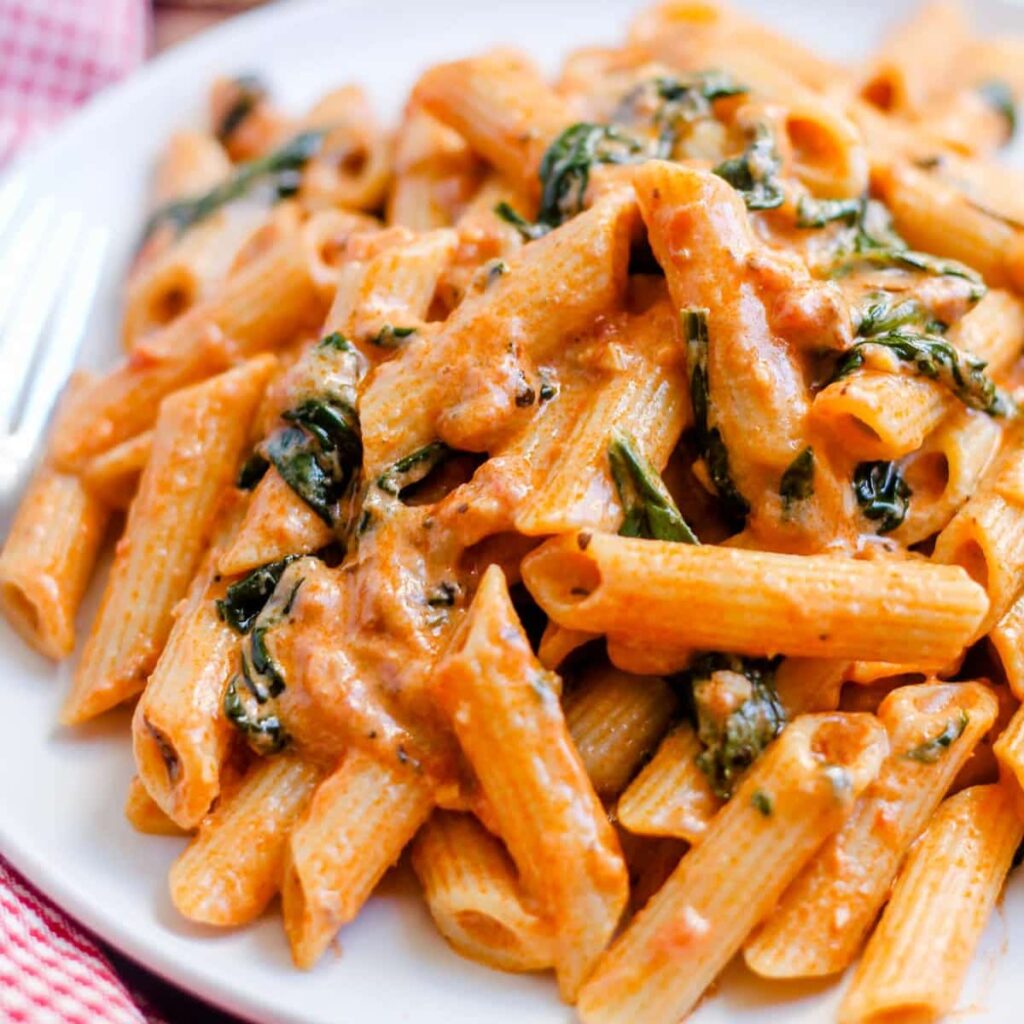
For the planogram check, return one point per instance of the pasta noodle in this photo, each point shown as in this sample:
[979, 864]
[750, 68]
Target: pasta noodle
[940, 904]
[474, 896]
[197, 442]
[697, 920]
[823, 916]
[754, 602]
[490, 685]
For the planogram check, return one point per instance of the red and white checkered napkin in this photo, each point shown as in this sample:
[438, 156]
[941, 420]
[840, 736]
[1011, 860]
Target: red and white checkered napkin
[54, 54]
[50, 971]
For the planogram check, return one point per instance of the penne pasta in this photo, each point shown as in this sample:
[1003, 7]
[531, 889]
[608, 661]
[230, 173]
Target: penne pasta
[671, 796]
[644, 400]
[615, 720]
[501, 106]
[145, 816]
[910, 69]
[823, 917]
[435, 403]
[180, 736]
[937, 217]
[232, 869]
[946, 470]
[474, 896]
[191, 162]
[277, 523]
[985, 535]
[354, 829]
[937, 911]
[499, 703]
[673, 949]
[810, 684]
[197, 444]
[754, 602]
[1007, 640]
[48, 557]
[113, 476]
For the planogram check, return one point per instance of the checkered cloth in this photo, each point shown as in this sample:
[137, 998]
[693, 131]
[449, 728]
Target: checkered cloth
[54, 54]
[50, 972]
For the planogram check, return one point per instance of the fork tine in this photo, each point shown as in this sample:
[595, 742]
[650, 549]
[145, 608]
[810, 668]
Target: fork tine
[10, 196]
[67, 331]
[20, 336]
[19, 253]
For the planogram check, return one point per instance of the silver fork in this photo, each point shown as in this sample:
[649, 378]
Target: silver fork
[50, 265]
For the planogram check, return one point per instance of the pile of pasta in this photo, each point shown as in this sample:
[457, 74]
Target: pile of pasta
[611, 490]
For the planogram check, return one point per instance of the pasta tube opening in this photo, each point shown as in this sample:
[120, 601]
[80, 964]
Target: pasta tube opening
[972, 556]
[563, 578]
[23, 609]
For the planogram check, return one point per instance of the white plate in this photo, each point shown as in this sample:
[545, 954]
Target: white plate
[61, 794]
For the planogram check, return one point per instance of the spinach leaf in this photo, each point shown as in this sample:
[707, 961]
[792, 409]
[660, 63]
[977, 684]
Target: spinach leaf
[565, 173]
[882, 312]
[263, 732]
[528, 230]
[932, 749]
[333, 424]
[294, 455]
[734, 742]
[937, 359]
[260, 680]
[565, 166]
[755, 172]
[882, 493]
[923, 261]
[245, 599]
[181, 214]
[412, 468]
[252, 471]
[249, 92]
[319, 456]
[998, 95]
[816, 213]
[336, 341]
[257, 664]
[677, 102]
[734, 506]
[648, 508]
[872, 240]
[797, 483]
